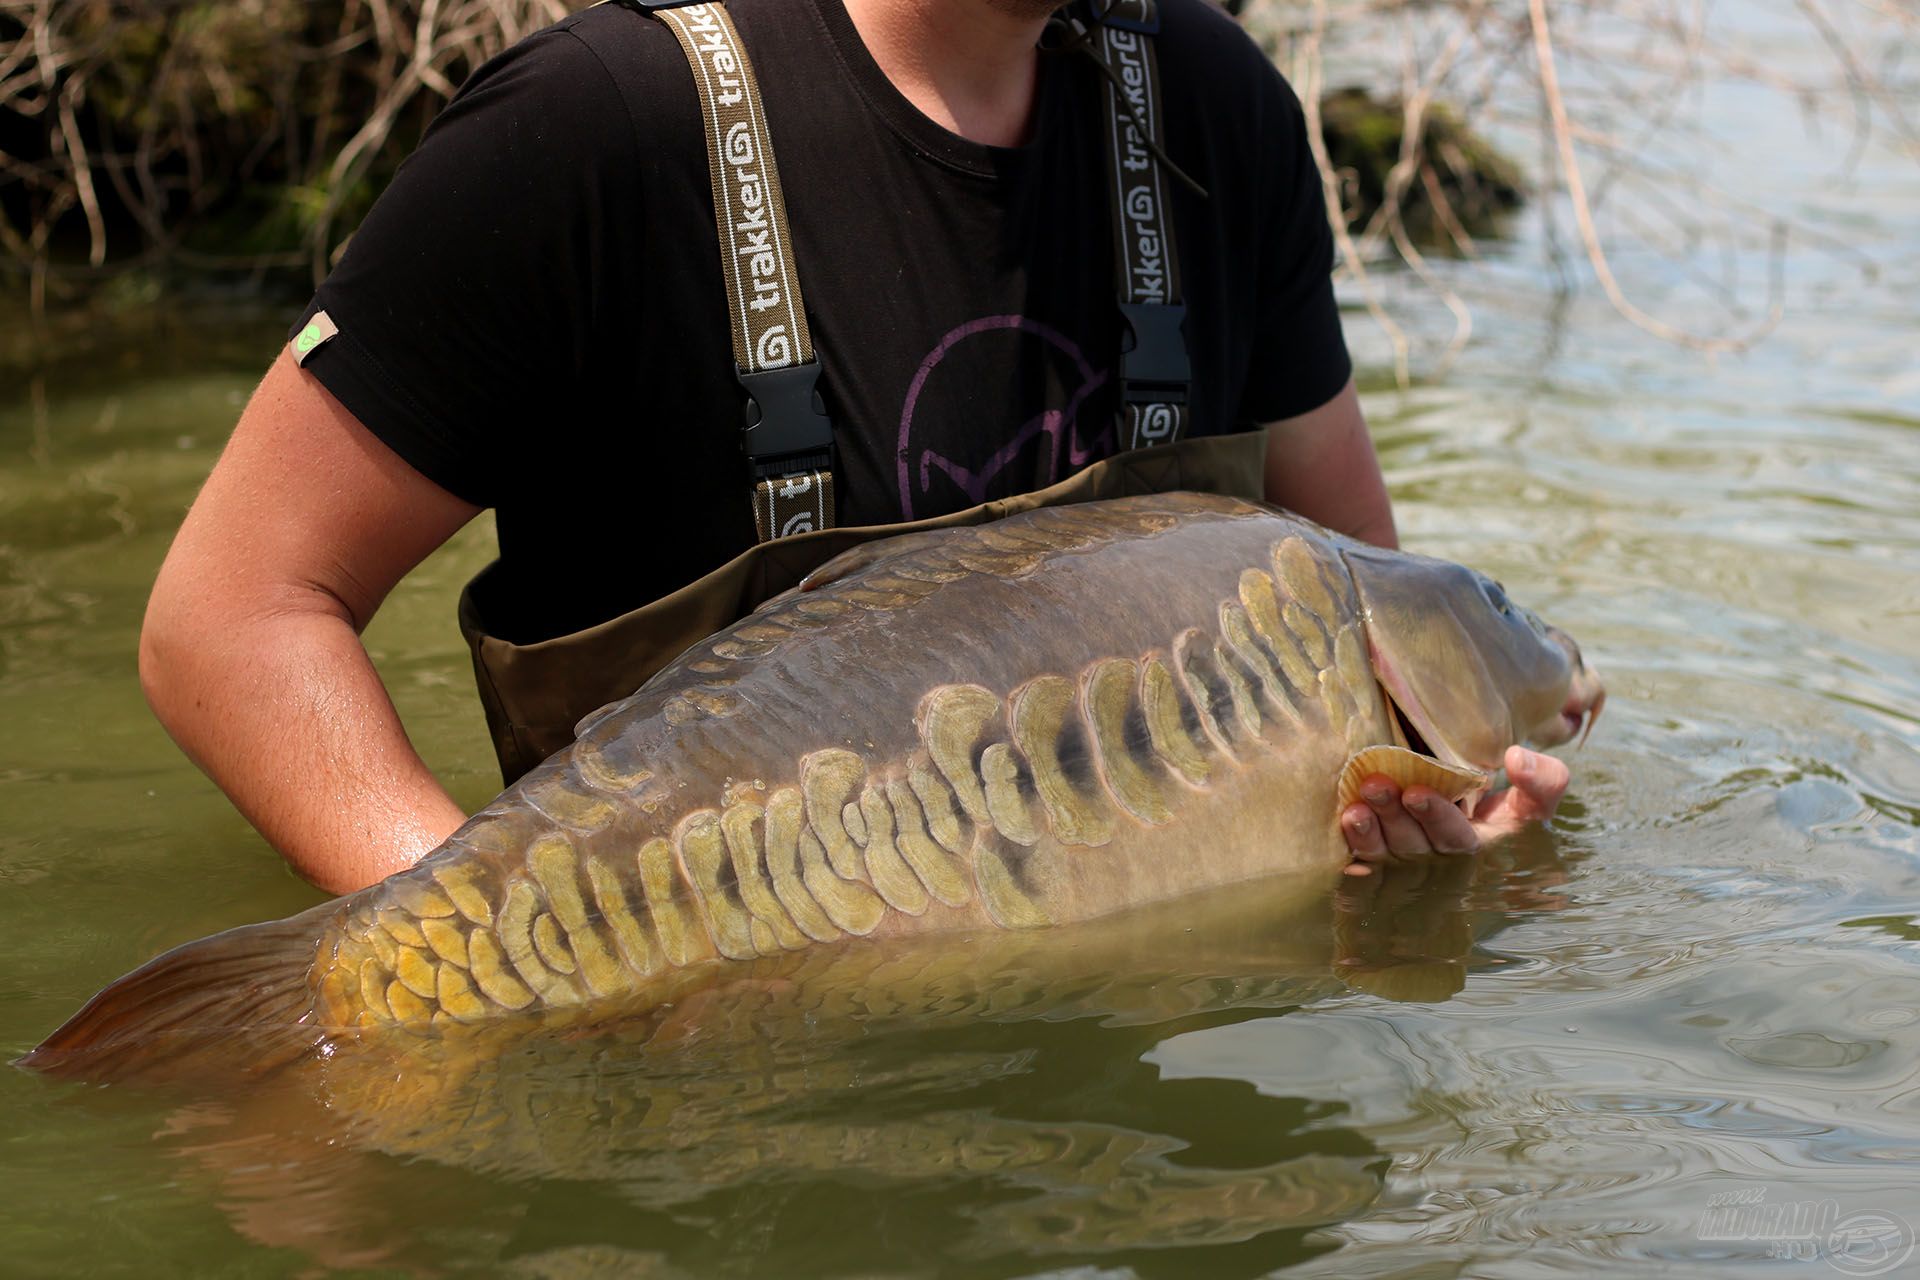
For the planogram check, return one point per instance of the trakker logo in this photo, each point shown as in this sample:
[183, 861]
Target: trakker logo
[1155, 424]
[799, 503]
[1142, 240]
[756, 259]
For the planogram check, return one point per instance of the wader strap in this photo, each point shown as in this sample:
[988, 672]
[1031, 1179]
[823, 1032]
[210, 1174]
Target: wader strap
[788, 439]
[1154, 369]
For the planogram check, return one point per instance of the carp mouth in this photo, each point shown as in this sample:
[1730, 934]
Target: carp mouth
[1586, 697]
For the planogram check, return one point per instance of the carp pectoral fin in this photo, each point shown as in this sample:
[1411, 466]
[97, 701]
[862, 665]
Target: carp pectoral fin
[1405, 767]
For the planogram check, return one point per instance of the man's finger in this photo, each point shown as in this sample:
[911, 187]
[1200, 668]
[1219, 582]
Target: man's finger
[1364, 841]
[1405, 838]
[1446, 829]
[1539, 781]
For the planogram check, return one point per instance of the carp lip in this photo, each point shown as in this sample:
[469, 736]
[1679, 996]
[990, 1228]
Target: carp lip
[1586, 697]
[1593, 716]
[1575, 720]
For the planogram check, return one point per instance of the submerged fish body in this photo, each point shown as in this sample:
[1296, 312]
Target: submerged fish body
[1030, 723]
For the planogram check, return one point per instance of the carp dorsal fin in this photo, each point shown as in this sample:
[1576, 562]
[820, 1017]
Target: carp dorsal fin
[856, 558]
[1405, 767]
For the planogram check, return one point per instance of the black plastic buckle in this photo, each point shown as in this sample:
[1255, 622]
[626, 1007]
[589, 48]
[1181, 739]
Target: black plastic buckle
[787, 424]
[1154, 368]
[1142, 16]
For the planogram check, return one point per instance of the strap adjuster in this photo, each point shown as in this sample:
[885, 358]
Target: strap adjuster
[787, 425]
[1154, 367]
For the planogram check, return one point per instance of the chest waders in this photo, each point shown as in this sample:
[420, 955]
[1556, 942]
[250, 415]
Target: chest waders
[534, 694]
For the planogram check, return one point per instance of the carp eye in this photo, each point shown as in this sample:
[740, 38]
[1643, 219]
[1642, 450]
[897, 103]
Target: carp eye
[1496, 596]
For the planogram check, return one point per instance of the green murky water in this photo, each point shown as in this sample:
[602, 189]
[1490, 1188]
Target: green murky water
[1702, 986]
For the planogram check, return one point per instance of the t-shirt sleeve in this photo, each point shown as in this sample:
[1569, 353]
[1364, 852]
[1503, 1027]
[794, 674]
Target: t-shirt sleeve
[464, 303]
[1300, 358]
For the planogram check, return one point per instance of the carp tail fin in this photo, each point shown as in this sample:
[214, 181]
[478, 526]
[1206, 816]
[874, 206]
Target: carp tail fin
[236, 1001]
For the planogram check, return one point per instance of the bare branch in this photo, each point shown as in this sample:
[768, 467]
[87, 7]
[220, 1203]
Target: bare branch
[1330, 187]
[1583, 211]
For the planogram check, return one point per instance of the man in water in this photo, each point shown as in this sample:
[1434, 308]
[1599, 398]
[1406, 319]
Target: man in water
[532, 319]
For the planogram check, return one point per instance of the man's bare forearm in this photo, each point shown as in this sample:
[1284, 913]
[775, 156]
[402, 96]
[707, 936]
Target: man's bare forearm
[282, 708]
[251, 651]
[1321, 464]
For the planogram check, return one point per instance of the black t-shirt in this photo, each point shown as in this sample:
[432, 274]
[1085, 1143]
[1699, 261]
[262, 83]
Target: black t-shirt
[533, 316]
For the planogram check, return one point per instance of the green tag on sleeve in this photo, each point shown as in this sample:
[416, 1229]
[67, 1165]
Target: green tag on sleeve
[319, 331]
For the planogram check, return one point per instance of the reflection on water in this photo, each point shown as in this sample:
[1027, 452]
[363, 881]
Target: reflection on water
[1704, 980]
[933, 1100]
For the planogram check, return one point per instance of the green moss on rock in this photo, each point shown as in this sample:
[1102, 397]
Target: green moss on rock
[1364, 138]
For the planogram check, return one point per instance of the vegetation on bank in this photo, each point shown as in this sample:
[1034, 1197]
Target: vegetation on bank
[218, 134]
[251, 135]
[144, 140]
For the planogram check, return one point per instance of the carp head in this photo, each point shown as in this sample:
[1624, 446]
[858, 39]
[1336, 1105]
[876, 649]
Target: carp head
[1468, 671]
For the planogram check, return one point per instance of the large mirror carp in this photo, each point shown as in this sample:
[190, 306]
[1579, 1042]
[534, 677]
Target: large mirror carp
[1020, 725]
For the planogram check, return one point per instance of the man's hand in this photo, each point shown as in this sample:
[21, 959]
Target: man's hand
[1392, 826]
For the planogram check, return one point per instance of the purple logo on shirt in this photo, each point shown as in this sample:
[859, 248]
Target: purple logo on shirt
[1066, 450]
